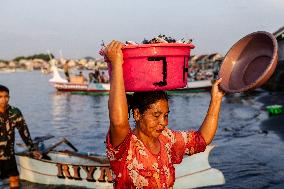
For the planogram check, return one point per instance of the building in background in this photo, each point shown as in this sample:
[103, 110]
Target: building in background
[276, 82]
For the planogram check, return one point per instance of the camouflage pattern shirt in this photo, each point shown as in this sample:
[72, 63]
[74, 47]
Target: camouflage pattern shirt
[10, 120]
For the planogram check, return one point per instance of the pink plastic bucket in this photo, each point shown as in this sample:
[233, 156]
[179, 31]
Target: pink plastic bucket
[152, 67]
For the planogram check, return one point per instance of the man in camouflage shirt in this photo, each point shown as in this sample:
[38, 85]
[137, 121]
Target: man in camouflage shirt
[11, 118]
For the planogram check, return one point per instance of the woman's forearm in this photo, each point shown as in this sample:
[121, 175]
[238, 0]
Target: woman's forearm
[210, 123]
[118, 109]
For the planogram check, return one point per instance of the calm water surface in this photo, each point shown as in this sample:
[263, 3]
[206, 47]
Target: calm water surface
[249, 154]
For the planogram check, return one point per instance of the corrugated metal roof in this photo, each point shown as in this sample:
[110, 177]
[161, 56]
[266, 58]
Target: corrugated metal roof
[279, 33]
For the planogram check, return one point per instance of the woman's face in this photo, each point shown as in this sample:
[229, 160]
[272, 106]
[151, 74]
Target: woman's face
[154, 120]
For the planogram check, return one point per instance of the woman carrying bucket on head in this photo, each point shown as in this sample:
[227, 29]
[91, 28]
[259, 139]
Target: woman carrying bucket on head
[145, 157]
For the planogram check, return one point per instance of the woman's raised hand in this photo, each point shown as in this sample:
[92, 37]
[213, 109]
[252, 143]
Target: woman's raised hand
[114, 53]
[216, 92]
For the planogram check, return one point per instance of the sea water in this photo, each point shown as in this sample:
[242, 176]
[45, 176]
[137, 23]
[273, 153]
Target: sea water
[249, 154]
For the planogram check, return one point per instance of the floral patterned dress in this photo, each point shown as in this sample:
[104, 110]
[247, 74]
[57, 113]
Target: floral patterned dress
[134, 166]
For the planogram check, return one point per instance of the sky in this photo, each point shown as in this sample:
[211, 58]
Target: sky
[76, 28]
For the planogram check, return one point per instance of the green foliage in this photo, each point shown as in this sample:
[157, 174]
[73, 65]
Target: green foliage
[19, 58]
[36, 56]
[5, 61]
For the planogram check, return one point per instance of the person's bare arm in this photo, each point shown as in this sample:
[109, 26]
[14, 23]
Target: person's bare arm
[117, 104]
[210, 123]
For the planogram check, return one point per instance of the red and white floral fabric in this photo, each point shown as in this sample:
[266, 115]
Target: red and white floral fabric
[134, 166]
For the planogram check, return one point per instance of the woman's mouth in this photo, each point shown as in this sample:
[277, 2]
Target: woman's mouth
[160, 130]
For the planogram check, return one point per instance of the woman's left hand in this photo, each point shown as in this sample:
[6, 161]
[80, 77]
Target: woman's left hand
[216, 92]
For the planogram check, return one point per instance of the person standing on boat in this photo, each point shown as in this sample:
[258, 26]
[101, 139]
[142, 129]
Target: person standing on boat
[145, 156]
[66, 70]
[103, 78]
[11, 118]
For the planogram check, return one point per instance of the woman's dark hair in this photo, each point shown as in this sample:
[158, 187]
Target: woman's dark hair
[4, 89]
[143, 100]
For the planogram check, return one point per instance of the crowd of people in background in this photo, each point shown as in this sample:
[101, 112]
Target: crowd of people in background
[196, 74]
[98, 76]
[95, 76]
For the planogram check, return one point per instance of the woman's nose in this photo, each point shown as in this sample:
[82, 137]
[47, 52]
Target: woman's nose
[163, 122]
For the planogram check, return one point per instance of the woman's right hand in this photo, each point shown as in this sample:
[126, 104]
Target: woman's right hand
[114, 53]
[216, 92]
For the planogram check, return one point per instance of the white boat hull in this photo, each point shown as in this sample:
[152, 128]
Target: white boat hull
[199, 84]
[195, 171]
[195, 86]
[87, 88]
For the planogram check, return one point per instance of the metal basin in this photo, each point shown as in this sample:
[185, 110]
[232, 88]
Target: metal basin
[249, 63]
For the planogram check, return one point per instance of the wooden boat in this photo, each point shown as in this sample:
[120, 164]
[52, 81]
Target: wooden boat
[91, 171]
[61, 84]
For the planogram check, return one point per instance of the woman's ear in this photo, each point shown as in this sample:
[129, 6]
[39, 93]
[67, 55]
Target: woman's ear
[136, 114]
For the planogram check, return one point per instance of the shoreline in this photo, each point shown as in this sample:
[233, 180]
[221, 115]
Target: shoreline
[13, 70]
